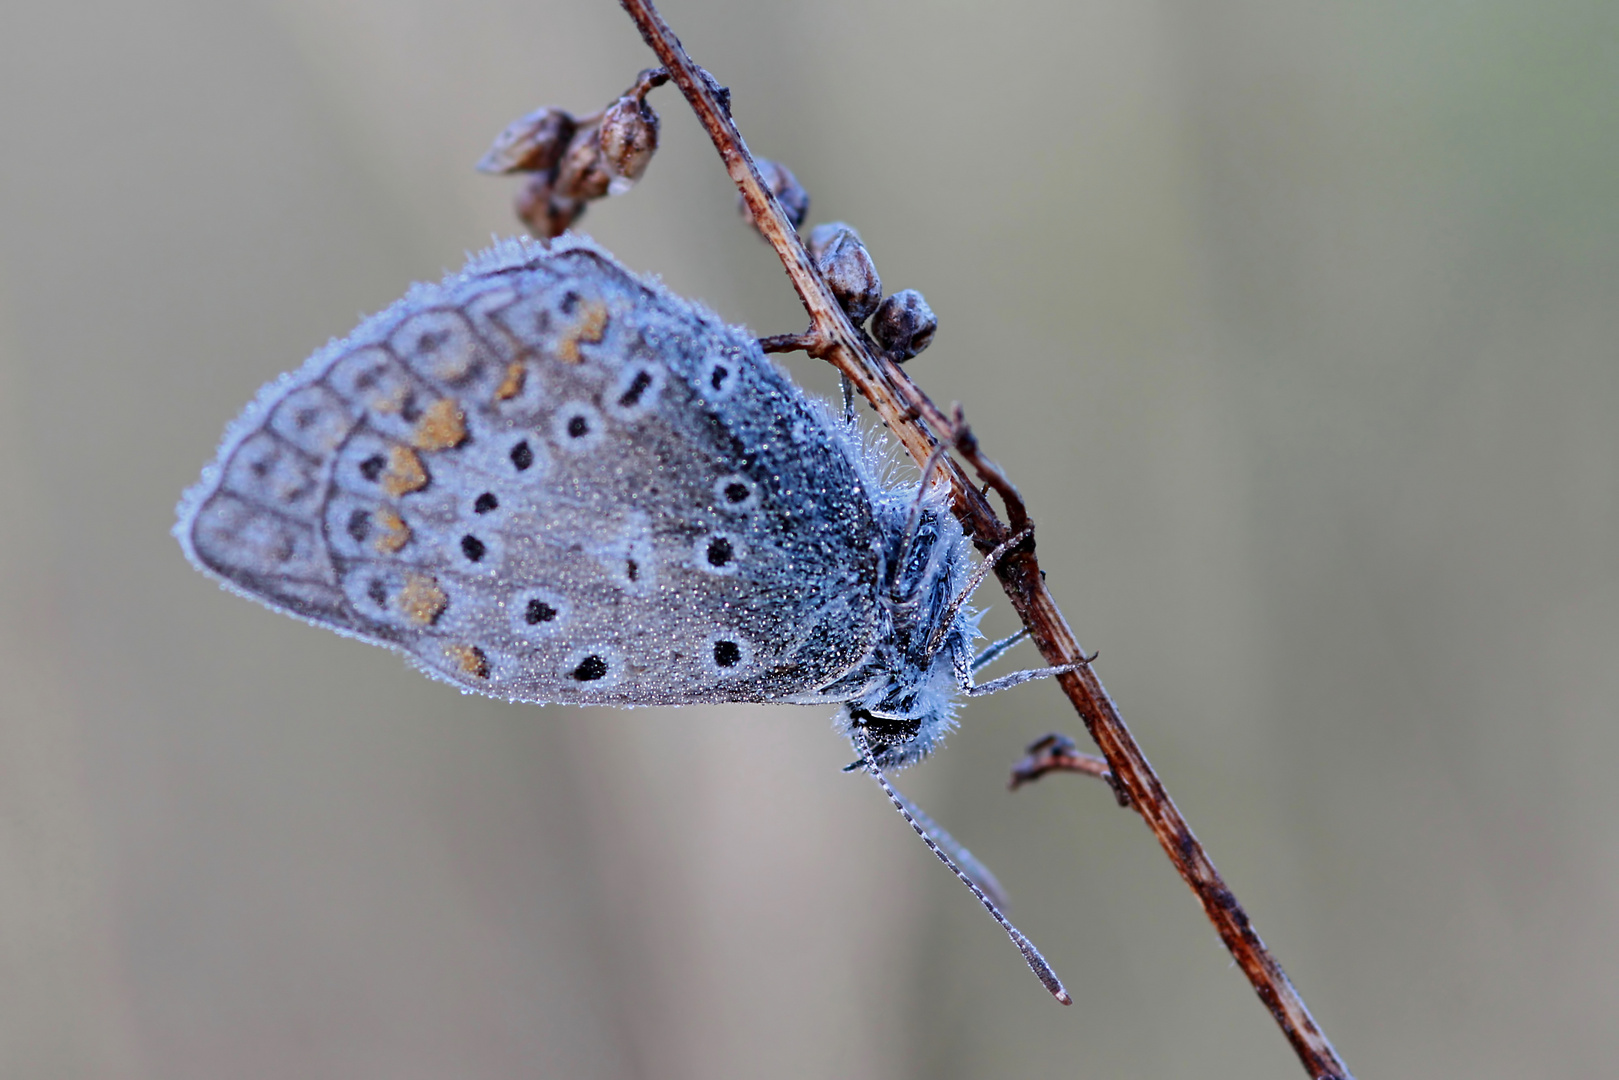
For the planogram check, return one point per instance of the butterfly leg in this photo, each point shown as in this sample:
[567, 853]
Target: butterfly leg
[913, 521]
[977, 579]
[964, 674]
[995, 651]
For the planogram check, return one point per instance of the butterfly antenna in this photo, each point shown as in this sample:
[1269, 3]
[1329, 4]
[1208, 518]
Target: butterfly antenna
[914, 520]
[969, 863]
[1031, 955]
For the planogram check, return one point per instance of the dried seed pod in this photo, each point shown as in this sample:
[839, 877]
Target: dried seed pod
[629, 136]
[583, 173]
[547, 214]
[904, 325]
[533, 144]
[785, 187]
[823, 234]
[842, 261]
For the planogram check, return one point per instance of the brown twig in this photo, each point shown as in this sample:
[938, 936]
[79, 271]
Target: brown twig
[1056, 753]
[789, 343]
[920, 426]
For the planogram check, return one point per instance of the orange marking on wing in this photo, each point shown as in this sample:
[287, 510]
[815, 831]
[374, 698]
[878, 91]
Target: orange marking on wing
[441, 427]
[396, 534]
[513, 383]
[405, 472]
[421, 600]
[470, 659]
[591, 328]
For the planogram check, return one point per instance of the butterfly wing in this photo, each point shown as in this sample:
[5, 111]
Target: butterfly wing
[547, 480]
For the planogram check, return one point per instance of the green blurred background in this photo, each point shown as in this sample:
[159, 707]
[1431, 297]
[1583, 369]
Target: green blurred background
[1297, 324]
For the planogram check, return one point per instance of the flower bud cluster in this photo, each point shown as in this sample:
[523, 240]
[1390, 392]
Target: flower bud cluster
[574, 160]
[903, 325]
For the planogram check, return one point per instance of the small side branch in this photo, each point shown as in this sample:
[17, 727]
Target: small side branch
[920, 426]
[1056, 753]
[790, 343]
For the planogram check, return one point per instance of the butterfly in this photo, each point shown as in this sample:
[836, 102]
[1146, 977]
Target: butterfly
[547, 479]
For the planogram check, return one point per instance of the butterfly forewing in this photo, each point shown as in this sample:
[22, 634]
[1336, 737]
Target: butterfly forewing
[547, 480]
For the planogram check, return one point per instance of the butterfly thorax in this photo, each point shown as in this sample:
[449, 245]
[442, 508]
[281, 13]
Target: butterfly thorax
[904, 696]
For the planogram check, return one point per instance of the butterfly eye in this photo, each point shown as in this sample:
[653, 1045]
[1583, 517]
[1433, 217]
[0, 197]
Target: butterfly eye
[485, 503]
[522, 456]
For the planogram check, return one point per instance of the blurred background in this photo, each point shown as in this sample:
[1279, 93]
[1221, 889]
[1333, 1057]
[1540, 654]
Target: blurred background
[1297, 324]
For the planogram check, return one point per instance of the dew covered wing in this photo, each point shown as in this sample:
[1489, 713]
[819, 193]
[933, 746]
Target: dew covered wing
[547, 480]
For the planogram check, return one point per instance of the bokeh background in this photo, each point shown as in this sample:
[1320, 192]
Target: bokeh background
[1297, 324]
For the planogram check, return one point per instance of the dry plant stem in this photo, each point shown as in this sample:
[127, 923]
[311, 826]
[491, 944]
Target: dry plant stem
[920, 426]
